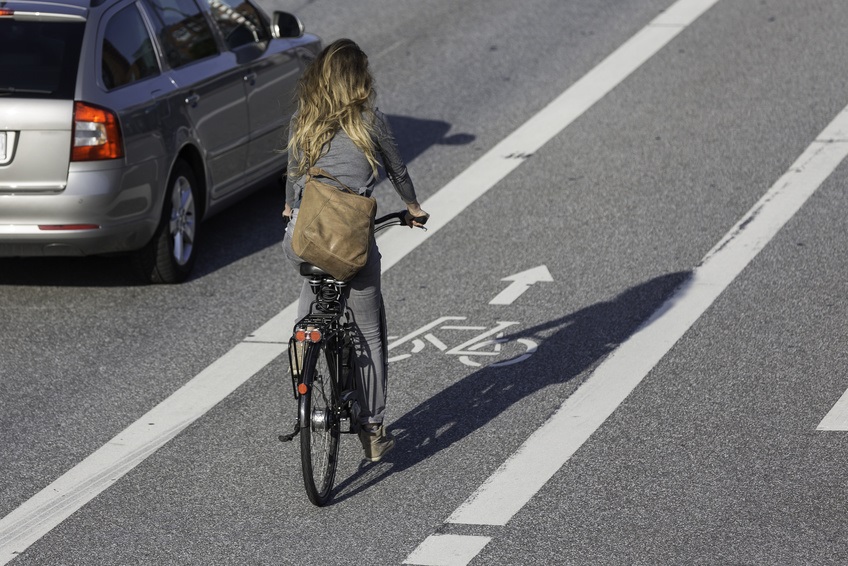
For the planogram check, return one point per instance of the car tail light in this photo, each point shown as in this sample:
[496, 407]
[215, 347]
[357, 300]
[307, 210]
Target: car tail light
[6, 13]
[97, 134]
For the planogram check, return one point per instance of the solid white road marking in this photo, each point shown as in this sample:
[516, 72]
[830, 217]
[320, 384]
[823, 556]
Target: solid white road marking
[520, 283]
[547, 449]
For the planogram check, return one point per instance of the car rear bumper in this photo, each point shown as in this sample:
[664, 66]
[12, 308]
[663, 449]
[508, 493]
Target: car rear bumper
[23, 241]
[88, 217]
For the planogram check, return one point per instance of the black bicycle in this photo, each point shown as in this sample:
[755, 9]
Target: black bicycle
[321, 357]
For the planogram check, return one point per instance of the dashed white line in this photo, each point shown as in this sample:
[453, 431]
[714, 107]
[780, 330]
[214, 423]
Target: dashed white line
[447, 550]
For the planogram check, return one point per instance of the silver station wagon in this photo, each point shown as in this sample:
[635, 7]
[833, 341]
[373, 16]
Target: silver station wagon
[124, 123]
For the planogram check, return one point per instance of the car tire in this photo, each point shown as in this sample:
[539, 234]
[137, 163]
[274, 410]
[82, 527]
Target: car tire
[169, 256]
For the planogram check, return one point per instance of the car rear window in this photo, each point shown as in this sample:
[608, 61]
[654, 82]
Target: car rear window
[39, 59]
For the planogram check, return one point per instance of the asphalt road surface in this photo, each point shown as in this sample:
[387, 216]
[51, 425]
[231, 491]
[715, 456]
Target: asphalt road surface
[621, 342]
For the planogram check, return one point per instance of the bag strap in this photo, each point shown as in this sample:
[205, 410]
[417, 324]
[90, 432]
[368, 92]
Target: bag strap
[318, 172]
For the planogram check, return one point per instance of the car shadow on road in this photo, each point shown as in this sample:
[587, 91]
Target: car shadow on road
[580, 341]
[249, 226]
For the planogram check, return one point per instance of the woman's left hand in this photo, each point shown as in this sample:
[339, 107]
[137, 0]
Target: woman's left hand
[415, 215]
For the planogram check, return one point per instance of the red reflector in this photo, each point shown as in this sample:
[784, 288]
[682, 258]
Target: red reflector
[6, 12]
[302, 389]
[68, 226]
[312, 335]
[97, 134]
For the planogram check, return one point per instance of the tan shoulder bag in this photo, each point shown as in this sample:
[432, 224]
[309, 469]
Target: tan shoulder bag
[334, 227]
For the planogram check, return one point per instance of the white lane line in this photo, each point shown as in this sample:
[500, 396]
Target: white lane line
[37, 516]
[514, 150]
[837, 417]
[547, 449]
[85, 481]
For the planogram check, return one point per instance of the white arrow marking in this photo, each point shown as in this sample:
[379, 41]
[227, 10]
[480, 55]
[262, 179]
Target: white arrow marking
[520, 283]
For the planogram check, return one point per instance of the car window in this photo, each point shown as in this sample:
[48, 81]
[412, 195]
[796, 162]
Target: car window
[239, 21]
[183, 30]
[39, 59]
[127, 54]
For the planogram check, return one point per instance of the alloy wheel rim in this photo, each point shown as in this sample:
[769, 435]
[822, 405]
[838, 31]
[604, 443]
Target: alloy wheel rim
[183, 220]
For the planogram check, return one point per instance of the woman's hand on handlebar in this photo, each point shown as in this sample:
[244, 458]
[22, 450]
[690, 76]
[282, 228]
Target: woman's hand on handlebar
[415, 216]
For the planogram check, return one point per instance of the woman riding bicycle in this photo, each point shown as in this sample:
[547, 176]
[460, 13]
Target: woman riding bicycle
[337, 128]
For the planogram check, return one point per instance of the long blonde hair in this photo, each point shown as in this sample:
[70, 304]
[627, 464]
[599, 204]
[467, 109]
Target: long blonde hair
[336, 92]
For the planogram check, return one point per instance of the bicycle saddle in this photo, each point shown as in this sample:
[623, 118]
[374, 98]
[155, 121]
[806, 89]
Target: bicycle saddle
[307, 270]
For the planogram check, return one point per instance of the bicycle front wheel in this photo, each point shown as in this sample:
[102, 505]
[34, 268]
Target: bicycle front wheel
[319, 432]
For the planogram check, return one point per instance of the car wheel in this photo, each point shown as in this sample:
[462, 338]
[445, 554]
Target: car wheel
[169, 256]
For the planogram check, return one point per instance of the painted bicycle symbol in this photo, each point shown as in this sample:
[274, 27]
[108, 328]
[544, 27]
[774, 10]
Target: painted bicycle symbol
[489, 346]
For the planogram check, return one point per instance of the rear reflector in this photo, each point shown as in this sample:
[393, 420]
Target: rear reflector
[6, 13]
[97, 134]
[68, 226]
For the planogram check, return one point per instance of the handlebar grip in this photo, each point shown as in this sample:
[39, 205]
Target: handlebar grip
[394, 215]
[398, 219]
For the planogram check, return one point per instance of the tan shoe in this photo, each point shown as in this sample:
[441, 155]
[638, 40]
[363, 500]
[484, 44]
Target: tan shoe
[376, 442]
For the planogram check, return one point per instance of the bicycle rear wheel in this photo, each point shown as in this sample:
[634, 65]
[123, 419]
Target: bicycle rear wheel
[319, 433]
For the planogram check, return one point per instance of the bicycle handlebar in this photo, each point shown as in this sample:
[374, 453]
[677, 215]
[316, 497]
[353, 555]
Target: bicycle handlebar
[397, 219]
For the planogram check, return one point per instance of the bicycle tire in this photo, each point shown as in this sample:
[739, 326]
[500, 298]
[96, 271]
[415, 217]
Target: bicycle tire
[319, 432]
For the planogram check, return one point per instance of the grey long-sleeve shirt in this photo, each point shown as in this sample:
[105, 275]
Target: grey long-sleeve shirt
[348, 164]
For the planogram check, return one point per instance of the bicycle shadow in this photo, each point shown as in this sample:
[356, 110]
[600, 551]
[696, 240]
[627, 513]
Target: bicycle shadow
[582, 340]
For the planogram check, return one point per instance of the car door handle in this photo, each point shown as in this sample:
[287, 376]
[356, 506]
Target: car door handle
[192, 99]
[250, 78]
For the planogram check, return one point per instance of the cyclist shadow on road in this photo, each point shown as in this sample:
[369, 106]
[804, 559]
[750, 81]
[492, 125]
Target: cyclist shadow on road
[579, 342]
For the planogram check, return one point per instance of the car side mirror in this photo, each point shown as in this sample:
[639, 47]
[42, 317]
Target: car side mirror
[285, 25]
